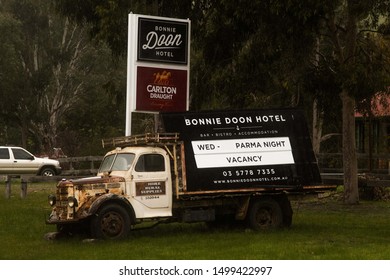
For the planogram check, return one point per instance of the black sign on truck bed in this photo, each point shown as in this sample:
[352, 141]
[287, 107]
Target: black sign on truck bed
[245, 149]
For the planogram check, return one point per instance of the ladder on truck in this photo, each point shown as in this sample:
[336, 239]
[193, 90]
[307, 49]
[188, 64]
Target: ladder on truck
[142, 139]
[171, 143]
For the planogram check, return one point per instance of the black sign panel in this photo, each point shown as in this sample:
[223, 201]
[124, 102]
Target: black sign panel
[245, 149]
[162, 41]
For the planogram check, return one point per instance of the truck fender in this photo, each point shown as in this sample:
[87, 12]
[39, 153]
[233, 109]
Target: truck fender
[112, 199]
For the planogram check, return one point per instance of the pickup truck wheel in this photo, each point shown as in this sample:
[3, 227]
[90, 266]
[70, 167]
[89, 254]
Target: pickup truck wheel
[47, 171]
[111, 222]
[265, 214]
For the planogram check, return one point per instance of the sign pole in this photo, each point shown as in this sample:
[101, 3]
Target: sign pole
[130, 84]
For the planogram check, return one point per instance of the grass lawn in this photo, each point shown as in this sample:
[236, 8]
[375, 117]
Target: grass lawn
[322, 229]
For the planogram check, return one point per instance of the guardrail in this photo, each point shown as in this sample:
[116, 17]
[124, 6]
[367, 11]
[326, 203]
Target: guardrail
[79, 166]
[72, 167]
[25, 179]
[374, 163]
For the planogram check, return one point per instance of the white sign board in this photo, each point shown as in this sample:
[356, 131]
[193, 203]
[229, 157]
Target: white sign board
[158, 64]
[242, 152]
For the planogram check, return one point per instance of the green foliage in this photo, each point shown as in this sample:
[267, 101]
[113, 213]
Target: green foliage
[10, 70]
[255, 53]
[58, 86]
[109, 18]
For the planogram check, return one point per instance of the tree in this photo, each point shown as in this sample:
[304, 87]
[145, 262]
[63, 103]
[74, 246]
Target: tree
[10, 71]
[108, 19]
[48, 64]
[350, 55]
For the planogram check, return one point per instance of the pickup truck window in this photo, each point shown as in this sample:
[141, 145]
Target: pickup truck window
[21, 154]
[150, 163]
[4, 154]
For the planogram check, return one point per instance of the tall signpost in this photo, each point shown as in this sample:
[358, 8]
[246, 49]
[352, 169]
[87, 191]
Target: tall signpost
[158, 62]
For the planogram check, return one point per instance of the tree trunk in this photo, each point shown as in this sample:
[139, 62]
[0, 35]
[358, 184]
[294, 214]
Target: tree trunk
[351, 192]
[317, 128]
[318, 115]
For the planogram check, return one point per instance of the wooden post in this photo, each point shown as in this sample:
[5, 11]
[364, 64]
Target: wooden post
[7, 186]
[23, 187]
[92, 166]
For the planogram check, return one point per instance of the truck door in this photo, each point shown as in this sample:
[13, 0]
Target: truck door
[152, 185]
[24, 162]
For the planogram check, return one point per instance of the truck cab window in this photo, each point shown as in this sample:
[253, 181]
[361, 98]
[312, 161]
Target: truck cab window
[150, 163]
[117, 162]
[21, 154]
[123, 162]
[4, 154]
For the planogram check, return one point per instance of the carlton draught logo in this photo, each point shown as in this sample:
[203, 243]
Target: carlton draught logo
[162, 78]
[162, 41]
[161, 89]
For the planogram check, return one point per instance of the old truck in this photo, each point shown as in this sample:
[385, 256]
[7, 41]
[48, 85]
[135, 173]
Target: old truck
[204, 167]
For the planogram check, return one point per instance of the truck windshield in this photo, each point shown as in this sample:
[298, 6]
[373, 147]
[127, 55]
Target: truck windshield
[116, 162]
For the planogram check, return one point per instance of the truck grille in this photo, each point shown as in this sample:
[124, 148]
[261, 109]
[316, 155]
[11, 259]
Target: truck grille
[62, 202]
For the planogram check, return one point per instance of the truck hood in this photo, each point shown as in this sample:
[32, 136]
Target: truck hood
[95, 180]
[47, 161]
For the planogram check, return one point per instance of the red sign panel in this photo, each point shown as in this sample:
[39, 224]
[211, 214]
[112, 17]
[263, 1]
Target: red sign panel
[161, 89]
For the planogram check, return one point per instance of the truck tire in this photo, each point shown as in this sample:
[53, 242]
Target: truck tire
[47, 171]
[110, 222]
[265, 214]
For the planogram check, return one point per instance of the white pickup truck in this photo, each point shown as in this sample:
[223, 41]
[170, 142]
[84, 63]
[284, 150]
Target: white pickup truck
[18, 161]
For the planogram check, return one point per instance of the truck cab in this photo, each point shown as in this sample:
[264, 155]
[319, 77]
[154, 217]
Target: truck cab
[147, 178]
[134, 183]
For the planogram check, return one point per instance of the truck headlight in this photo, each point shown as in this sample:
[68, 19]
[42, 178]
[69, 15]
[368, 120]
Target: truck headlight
[72, 202]
[52, 199]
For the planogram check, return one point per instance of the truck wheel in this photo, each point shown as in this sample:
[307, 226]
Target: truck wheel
[110, 222]
[47, 171]
[265, 214]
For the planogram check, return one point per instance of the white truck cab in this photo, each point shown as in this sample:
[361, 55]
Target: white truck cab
[133, 183]
[147, 178]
